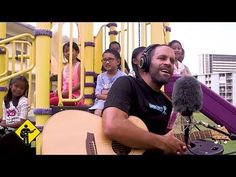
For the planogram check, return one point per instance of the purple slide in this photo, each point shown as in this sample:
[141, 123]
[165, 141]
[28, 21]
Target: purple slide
[214, 107]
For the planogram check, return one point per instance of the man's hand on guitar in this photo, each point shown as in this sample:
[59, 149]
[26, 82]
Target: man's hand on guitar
[173, 145]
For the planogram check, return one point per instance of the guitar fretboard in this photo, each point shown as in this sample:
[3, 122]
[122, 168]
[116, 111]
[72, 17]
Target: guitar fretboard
[195, 135]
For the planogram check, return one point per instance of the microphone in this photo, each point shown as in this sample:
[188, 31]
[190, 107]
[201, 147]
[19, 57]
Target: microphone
[230, 135]
[186, 99]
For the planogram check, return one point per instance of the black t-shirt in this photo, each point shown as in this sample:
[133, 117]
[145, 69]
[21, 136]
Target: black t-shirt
[136, 98]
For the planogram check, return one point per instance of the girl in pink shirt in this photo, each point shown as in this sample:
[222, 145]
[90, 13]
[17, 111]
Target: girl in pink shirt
[65, 78]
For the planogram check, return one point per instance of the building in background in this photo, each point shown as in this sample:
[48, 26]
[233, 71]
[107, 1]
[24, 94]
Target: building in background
[215, 63]
[218, 72]
[224, 84]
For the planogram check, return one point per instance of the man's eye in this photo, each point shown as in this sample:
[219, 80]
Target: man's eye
[161, 58]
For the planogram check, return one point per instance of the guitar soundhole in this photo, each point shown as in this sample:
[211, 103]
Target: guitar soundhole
[120, 149]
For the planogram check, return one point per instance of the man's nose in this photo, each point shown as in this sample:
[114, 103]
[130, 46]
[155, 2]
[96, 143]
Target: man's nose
[168, 61]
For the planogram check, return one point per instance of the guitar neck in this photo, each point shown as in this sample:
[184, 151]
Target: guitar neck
[195, 135]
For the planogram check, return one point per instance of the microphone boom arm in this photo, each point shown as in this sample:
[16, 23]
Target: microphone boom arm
[230, 135]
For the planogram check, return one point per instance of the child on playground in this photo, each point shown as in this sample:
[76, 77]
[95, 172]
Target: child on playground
[15, 104]
[110, 61]
[180, 69]
[65, 77]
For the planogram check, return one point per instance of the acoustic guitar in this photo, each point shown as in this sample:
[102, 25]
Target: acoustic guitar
[75, 132]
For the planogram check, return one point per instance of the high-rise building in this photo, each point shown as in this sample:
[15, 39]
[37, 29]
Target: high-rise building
[224, 84]
[215, 63]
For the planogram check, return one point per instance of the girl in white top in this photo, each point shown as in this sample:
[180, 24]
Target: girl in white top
[15, 104]
[180, 68]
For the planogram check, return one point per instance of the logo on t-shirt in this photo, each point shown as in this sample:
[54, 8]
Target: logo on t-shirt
[161, 109]
[11, 112]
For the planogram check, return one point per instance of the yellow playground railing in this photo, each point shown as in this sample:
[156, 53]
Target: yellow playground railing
[36, 62]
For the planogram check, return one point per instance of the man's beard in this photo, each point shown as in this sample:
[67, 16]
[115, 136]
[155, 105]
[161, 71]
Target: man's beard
[158, 79]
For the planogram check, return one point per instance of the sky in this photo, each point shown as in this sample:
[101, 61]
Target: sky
[202, 37]
[207, 37]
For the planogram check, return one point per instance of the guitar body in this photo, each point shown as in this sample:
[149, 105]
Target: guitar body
[75, 132]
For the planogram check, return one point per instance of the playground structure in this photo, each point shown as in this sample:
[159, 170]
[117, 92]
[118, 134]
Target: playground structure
[39, 55]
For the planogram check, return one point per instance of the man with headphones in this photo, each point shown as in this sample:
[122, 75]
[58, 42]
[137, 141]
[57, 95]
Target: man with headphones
[143, 98]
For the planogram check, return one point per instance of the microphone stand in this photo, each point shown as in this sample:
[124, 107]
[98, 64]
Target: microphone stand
[188, 116]
[230, 135]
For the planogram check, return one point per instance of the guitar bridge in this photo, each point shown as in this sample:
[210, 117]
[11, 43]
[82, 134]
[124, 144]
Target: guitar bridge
[90, 144]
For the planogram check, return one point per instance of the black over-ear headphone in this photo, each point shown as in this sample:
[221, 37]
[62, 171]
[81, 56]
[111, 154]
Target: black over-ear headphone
[146, 58]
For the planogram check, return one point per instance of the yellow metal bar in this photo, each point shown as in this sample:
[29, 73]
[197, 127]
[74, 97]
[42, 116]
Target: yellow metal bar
[21, 58]
[157, 35]
[54, 47]
[127, 43]
[16, 74]
[105, 37]
[42, 77]
[3, 67]
[70, 61]
[4, 59]
[143, 35]
[30, 88]
[133, 36]
[60, 64]
[98, 50]
[147, 31]
[166, 33]
[4, 41]
[82, 79]
[24, 56]
[81, 39]
[119, 36]
[13, 61]
[21, 41]
[122, 44]
[88, 60]
[3, 29]
[31, 62]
